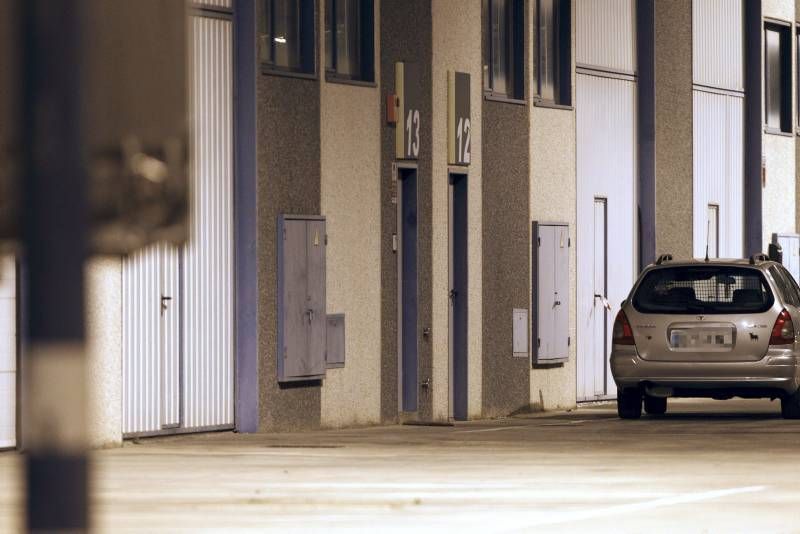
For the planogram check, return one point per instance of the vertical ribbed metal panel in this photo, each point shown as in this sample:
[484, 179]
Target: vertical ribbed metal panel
[141, 340]
[606, 168]
[8, 352]
[719, 170]
[170, 336]
[605, 34]
[718, 43]
[224, 4]
[178, 359]
[208, 280]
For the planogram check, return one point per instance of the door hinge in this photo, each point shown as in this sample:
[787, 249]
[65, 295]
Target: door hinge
[538, 342]
[539, 241]
[569, 341]
[569, 242]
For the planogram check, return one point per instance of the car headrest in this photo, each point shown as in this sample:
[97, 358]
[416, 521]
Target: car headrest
[681, 294]
[747, 296]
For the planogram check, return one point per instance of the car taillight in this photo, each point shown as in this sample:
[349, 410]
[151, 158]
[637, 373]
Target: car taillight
[783, 331]
[622, 333]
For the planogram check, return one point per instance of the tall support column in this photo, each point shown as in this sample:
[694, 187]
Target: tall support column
[54, 237]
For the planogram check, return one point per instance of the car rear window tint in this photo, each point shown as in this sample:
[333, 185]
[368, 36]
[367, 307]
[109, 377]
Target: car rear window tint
[703, 289]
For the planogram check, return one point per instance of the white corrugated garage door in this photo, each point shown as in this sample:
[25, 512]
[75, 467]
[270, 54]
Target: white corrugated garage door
[718, 174]
[178, 347]
[605, 107]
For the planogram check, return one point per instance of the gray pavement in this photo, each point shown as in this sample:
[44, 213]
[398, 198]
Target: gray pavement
[708, 466]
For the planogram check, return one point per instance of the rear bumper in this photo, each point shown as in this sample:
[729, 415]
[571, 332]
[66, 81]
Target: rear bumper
[777, 371]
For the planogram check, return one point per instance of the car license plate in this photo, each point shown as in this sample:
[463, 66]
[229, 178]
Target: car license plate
[717, 339]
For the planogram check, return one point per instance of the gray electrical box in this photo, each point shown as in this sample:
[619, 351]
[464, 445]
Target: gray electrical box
[334, 356]
[302, 322]
[551, 339]
[519, 339]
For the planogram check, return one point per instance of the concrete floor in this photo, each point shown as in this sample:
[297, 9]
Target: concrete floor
[707, 466]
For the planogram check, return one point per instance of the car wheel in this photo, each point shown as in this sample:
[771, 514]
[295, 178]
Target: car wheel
[655, 405]
[790, 406]
[629, 403]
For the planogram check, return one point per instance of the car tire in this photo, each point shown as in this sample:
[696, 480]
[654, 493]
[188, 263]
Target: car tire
[629, 404]
[790, 406]
[655, 405]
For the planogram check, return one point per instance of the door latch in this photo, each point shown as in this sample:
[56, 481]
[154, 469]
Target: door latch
[164, 304]
[310, 314]
[425, 384]
[603, 301]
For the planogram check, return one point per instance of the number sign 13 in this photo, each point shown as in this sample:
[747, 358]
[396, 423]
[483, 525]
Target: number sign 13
[459, 127]
[409, 97]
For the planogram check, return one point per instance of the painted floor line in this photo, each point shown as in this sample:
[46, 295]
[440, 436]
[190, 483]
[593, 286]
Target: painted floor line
[493, 429]
[610, 511]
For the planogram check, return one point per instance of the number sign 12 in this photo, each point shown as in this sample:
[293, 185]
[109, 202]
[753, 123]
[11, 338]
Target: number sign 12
[459, 130]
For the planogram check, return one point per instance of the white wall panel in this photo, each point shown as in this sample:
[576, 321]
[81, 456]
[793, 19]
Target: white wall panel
[208, 282]
[606, 168]
[718, 43]
[8, 353]
[141, 341]
[178, 359]
[225, 4]
[719, 170]
[605, 34]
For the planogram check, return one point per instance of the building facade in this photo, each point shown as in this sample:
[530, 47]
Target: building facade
[431, 210]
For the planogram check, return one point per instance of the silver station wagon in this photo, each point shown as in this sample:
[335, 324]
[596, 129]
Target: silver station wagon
[718, 329]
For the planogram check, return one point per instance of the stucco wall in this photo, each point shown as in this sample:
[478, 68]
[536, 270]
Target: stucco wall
[673, 127]
[779, 192]
[778, 198]
[104, 349]
[397, 18]
[778, 9]
[506, 246]
[288, 140]
[350, 191]
[553, 198]
[455, 48]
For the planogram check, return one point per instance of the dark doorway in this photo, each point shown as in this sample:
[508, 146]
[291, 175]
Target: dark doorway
[409, 373]
[459, 291]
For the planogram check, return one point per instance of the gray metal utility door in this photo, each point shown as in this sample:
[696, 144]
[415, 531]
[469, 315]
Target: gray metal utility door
[409, 372]
[178, 349]
[8, 352]
[459, 293]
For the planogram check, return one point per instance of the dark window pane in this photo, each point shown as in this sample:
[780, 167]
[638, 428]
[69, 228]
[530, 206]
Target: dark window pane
[487, 47]
[286, 37]
[286, 40]
[265, 35]
[348, 37]
[500, 44]
[330, 47]
[773, 78]
[547, 50]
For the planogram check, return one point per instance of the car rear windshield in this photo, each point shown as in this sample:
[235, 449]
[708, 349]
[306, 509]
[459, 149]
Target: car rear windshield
[703, 289]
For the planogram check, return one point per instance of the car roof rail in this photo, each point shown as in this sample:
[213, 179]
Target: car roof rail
[755, 258]
[664, 257]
